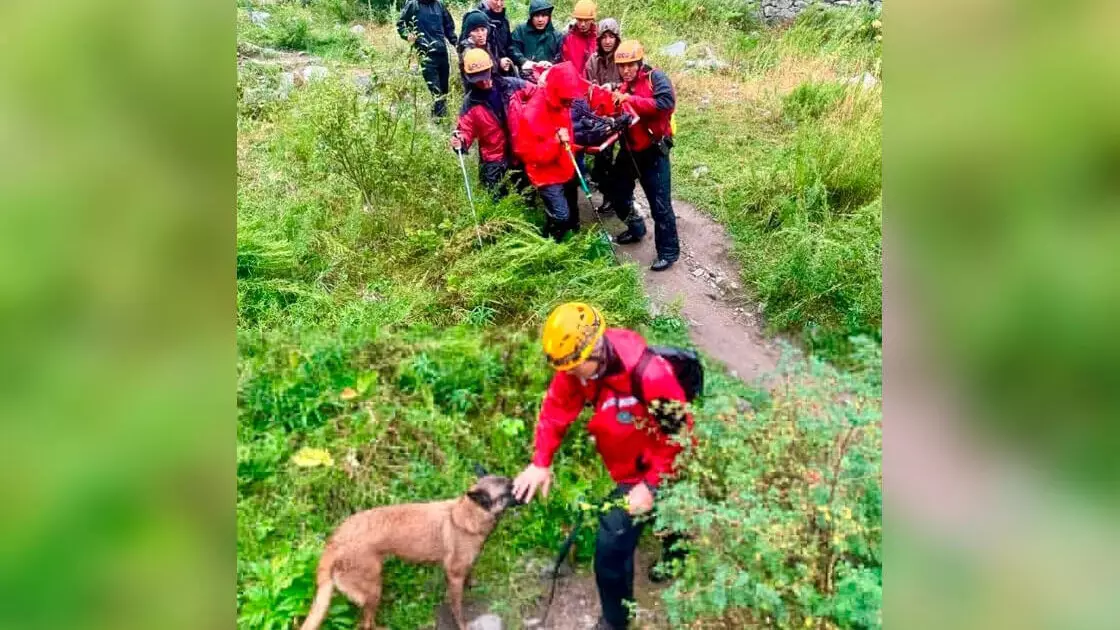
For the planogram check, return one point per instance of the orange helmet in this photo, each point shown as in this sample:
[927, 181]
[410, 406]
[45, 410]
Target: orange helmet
[629, 51]
[584, 10]
[476, 60]
[570, 333]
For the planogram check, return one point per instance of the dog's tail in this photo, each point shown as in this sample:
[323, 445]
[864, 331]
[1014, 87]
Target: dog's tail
[322, 601]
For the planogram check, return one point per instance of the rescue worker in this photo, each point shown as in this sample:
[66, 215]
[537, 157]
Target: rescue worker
[602, 71]
[542, 135]
[495, 12]
[535, 45]
[479, 30]
[645, 153]
[579, 41]
[484, 117]
[426, 24]
[595, 365]
[600, 68]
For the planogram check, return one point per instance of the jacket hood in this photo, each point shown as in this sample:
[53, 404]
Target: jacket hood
[562, 83]
[536, 6]
[610, 25]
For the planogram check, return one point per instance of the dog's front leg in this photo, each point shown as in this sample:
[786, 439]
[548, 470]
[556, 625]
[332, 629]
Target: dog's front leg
[456, 579]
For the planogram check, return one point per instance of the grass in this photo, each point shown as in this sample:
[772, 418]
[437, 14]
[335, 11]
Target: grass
[371, 324]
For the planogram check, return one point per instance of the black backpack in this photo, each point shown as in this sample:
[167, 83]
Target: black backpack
[686, 367]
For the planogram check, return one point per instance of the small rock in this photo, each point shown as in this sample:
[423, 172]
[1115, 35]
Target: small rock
[705, 103]
[676, 49]
[486, 622]
[358, 29]
[287, 82]
[700, 171]
[529, 623]
[735, 286]
[699, 271]
[363, 83]
[866, 81]
[310, 73]
[260, 18]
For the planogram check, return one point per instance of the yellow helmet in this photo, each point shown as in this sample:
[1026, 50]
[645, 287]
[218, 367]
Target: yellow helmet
[570, 333]
[584, 10]
[476, 60]
[629, 51]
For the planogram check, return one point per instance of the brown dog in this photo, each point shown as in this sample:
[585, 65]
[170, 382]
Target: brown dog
[449, 532]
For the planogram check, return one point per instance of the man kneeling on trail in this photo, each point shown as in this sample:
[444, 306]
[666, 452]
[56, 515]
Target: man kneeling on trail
[542, 137]
[602, 367]
[484, 116]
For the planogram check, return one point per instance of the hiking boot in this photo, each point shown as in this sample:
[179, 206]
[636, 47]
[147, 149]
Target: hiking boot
[661, 264]
[626, 238]
[605, 208]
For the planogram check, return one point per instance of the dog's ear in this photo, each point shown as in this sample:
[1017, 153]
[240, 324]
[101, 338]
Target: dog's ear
[481, 497]
[479, 471]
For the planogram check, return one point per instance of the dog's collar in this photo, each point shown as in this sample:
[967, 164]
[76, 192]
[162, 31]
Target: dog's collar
[457, 525]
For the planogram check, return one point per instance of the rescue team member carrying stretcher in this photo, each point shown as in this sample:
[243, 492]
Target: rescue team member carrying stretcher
[599, 365]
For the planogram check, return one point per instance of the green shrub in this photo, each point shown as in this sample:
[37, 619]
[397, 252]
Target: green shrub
[783, 503]
[810, 101]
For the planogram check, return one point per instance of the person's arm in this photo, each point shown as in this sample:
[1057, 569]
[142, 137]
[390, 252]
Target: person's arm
[666, 398]
[405, 23]
[448, 26]
[517, 48]
[561, 406]
[663, 97]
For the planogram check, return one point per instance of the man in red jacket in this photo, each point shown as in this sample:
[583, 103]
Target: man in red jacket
[582, 38]
[595, 365]
[645, 153]
[542, 135]
[483, 117]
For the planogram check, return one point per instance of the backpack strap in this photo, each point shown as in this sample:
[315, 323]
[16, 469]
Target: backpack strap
[638, 372]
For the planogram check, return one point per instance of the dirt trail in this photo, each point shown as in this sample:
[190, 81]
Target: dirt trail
[722, 320]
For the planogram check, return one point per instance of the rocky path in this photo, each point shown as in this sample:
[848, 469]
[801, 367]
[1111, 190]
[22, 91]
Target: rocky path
[723, 322]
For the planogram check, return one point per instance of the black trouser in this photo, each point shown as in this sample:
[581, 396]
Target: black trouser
[654, 174]
[601, 168]
[492, 175]
[436, 69]
[561, 208]
[615, 545]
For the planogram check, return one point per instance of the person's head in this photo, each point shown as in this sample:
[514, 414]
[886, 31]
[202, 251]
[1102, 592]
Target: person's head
[608, 35]
[584, 15]
[497, 6]
[628, 57]
[477, 66]
[541, 19]
[573, 339]
[562, 85]
[477, 27]
[478, 36]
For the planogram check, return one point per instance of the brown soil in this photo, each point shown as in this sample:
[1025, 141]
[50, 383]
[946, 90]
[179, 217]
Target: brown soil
[723, 321]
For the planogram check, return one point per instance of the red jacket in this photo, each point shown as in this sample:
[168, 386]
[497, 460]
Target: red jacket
[577, 47]
[479, 122]
[534, 132]
[654, 100]
[633, 448]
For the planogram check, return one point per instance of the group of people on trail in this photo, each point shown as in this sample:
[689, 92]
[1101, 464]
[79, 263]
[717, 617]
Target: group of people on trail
[538, 102]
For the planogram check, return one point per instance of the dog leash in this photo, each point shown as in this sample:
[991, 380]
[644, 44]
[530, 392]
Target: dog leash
[565, 548]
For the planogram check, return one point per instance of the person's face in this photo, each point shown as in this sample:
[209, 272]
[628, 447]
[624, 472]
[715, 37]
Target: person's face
[497, 6]
[590, 367]
[478, 36]
[485, 85]
[609, 42]
[540, 20]
[584, 26]
[628, 70]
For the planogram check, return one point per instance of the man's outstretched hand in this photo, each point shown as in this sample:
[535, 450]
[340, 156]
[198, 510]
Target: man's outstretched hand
[526, 484]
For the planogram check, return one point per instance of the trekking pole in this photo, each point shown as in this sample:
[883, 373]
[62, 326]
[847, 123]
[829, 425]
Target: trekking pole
[470, 197]
[587, 192]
